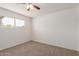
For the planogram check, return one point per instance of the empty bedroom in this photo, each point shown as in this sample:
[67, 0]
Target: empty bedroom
[39, 29]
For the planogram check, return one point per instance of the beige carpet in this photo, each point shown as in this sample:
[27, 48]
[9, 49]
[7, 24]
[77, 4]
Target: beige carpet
[37, 49]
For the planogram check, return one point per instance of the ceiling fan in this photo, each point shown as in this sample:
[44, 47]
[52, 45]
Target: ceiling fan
[30, 6]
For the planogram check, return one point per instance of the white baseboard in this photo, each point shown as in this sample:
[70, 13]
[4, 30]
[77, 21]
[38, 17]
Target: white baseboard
[13, 45]
[54, 45]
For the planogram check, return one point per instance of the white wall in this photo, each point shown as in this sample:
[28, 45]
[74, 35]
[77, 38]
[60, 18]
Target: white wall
[10, 37]
[59, 29]
[78, 25]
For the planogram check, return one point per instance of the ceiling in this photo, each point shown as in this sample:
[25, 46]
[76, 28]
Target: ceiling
[45, 8]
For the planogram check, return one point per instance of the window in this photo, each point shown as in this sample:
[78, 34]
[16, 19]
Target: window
[7, 21]
[19, 23]
[12, 22]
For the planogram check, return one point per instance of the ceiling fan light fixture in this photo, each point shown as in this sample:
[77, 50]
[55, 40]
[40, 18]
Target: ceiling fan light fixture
[29, 7]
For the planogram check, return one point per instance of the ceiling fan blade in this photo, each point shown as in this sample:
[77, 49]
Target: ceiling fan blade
[36, 7]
